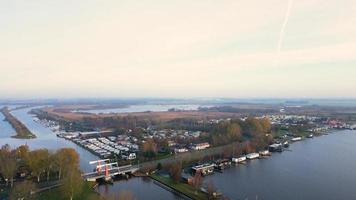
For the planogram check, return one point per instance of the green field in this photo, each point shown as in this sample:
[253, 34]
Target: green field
[57, 194]
[181, 187]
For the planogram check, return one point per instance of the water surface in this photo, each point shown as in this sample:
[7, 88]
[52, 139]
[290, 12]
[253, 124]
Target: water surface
[319, 168]
[145, 108]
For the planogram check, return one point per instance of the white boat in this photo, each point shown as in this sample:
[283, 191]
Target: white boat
[265, 153]
[252, 156]
[296, 139]
[239, 159]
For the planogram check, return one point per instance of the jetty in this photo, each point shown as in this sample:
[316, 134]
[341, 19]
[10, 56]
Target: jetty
[22, 132]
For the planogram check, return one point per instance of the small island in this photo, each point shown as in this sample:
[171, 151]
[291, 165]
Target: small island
[22, 132]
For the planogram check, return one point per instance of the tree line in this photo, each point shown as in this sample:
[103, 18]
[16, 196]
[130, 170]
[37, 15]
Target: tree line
[37, 166]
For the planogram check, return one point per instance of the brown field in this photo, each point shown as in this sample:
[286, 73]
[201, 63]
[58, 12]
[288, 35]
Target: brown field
[65, 112]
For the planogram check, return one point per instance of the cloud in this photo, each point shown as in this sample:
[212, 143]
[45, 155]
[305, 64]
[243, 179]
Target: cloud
[179, 48]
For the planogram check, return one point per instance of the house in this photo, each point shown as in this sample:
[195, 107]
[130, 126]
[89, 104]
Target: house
[204, 169]
[180, 150]
[201, 146]
[129, 156]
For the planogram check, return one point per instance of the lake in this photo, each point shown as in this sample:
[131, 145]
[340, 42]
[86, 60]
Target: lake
[145, 108]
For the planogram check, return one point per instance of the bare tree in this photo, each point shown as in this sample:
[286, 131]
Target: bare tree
[175, 171]
[197, 181]
[72, 183]
[8, 164]
[211, 190]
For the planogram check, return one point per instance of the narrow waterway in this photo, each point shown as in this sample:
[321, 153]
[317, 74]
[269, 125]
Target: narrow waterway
[45, 137]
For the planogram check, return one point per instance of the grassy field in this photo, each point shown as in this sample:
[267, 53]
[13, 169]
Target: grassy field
[66, 114]
[181, 187]
[57, 194]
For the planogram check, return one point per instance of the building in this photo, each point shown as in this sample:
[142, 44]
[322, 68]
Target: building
[180, 150]
[201, 146]
[129, 156]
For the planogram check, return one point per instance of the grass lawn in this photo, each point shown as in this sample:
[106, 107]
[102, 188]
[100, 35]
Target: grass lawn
[57, 194]
[181, 187]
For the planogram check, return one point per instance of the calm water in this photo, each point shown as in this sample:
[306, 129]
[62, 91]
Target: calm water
[145, 108]
[45, 138]
[319, 168]
[141, 188]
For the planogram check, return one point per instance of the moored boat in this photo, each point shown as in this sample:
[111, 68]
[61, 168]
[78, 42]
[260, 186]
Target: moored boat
[239, 159]
[252, 156]
[277, 147]
[286, 144]
[264, 153]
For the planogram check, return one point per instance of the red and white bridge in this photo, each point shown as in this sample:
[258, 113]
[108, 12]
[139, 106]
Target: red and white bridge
[107, 170]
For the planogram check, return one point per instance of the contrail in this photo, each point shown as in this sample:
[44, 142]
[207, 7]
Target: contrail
[281, 33]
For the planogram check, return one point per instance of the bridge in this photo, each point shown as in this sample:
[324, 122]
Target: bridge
[108, 170]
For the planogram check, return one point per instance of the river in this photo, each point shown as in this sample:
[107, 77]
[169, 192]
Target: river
[318, 168]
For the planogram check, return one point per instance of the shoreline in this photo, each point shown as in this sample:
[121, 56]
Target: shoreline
[22, 132]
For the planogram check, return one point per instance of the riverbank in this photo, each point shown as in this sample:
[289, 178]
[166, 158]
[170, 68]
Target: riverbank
[180, 188]
[22, 132]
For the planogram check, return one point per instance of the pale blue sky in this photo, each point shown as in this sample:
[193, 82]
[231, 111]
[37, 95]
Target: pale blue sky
[177, 48]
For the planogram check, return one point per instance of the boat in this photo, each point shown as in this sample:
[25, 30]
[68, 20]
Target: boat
[286, 144]
[296, 139]
[264, 153]
[277, 147]
[222, 164]
[310, 136]
[239, 159]
[204, 169]
[252, 156]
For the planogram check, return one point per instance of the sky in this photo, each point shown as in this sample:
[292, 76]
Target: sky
[178, 48]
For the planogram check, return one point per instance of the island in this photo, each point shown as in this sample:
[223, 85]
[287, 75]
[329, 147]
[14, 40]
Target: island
[22, 132]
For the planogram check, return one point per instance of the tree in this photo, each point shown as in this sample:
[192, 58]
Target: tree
[197, 181]
[149, 148]
[211, 190]
[22, 152]
[249, 148]
[65, 160]
[38, 162]
[23, 190]
[266, 125]
[175, 171]
[72, 183]
[234, 131]
[8, 164]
